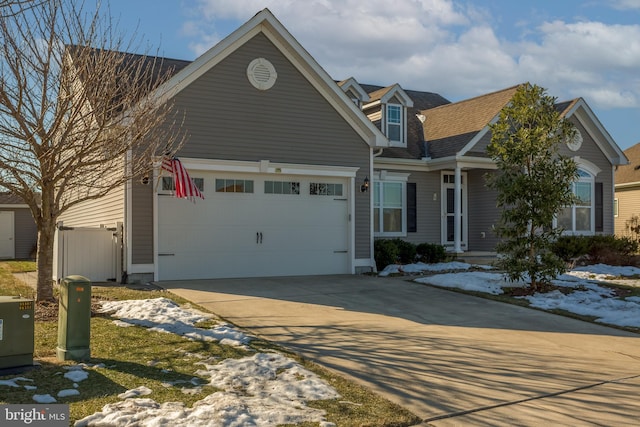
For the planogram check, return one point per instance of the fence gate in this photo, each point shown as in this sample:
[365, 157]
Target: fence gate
[90, 252]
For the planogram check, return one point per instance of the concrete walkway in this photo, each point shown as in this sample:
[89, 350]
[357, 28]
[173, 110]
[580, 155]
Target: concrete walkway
[449, 358]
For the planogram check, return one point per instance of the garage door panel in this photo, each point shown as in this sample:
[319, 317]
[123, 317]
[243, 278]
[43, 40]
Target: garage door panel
[253, 234]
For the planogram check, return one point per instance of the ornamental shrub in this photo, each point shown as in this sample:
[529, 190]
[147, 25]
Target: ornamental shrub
[385, 253]
[431, 253]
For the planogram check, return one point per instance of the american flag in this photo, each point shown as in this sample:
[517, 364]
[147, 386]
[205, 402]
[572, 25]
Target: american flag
[184, 185]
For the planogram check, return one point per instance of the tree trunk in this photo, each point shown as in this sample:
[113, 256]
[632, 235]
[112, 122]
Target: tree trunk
[44, 261]
[532, 259]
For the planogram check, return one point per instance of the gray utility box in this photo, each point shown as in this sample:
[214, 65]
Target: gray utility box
[16, 331]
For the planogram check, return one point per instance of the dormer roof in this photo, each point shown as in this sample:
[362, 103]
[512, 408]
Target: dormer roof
[385, 94]
[351, 85]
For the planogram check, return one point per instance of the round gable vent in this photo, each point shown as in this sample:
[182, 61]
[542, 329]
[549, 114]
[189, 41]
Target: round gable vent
[261, 74]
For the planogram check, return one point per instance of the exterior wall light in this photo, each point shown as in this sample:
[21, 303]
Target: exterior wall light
[364, 188]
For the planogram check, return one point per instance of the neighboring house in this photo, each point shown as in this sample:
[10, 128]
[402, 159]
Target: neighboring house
[18, 230]
[301, 173]
[627, 194]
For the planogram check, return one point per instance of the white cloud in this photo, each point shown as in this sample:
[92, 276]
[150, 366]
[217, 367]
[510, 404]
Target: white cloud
[626, 4]
[447, 46]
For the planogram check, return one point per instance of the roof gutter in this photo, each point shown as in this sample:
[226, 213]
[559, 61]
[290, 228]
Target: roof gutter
[627, 184]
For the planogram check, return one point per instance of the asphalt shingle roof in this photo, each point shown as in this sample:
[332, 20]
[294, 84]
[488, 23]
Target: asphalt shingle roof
[10, 199]
[465, 117]
[631, 172]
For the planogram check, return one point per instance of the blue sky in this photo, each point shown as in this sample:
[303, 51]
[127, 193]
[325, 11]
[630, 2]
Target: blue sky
[459, 49]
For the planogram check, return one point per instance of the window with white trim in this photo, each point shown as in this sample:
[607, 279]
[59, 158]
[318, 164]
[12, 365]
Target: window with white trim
[324, 189]
[395, 129]
[390, 208]
[579, 218]
[168, 185]
[281, 187]
[234, 186]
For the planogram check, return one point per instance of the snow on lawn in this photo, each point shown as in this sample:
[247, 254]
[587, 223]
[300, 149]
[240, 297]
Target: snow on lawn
[164, 315]
[263, 390]
[587, 297]
[421, 267]
[266, 389]
[603, 271]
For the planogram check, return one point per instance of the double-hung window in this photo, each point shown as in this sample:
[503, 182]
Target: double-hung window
[389, 207]
[580, 217]
[395, 130]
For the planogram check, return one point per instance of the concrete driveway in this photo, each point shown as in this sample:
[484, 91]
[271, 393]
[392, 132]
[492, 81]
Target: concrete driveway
[449, 358]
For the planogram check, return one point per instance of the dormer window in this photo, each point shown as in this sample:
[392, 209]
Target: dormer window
[395, 131]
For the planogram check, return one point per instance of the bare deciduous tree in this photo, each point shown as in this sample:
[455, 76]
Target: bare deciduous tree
[13, 7]
[78, 117]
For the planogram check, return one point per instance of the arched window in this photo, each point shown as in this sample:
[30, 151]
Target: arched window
[580, 217]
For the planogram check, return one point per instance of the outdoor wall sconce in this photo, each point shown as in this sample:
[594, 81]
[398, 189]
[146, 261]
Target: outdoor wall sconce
[365, 186]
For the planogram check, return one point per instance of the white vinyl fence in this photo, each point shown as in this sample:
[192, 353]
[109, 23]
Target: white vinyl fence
[90, 252]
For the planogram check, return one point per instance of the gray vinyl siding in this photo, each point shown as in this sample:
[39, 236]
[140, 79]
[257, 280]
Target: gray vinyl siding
[483, 214]
[25, 232]
[428, 215]
[628, 207]
[142, 223]
[227, 118]
[591, 152]
[428, 210]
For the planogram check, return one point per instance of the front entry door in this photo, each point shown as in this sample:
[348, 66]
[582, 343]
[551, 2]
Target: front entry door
[448, 211]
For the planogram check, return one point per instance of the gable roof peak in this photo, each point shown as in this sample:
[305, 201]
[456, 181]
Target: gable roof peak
[384, 94]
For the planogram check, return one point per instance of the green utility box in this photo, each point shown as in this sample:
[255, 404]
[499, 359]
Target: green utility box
[74, 319]
[16, 332]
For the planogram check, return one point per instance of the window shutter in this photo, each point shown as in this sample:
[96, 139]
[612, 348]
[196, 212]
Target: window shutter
[599, 207]
[412, 211]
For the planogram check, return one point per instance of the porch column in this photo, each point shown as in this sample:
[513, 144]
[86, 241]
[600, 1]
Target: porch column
[457, 212]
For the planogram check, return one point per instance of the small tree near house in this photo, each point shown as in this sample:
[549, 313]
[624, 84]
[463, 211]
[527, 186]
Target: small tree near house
[533, 182]
[78, 118]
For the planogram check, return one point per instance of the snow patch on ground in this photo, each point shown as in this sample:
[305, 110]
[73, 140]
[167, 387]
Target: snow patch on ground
[164, 315]
[587, 298]
[266, 389]
[421, 267]
[603, 271]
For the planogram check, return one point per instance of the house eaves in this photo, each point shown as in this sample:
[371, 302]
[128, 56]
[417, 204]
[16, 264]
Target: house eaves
[264, 22]
[431, 165]
[626, 185]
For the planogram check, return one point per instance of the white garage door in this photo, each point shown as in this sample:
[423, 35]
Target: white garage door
[253, 225]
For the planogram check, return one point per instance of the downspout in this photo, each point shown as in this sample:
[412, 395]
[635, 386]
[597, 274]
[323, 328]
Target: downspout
[423, 141]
